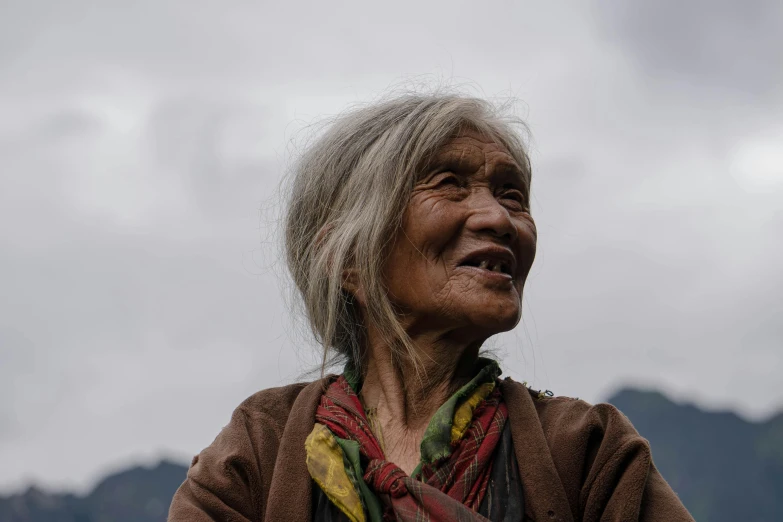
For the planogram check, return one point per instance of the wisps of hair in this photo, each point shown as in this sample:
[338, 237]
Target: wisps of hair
[347, 194]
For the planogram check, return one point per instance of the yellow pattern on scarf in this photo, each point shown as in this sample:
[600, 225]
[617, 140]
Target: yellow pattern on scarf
[464, 414]
[326, 466]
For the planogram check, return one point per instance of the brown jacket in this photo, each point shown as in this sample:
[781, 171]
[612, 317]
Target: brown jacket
[577, 462]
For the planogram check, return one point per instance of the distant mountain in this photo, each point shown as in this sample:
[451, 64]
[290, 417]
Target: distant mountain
[135, 495]
[722, 467]
[725, 469]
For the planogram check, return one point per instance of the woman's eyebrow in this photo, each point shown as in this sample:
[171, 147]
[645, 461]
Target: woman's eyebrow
[509, 170]
[455, 157]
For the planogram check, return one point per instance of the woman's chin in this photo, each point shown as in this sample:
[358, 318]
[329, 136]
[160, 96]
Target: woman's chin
[494, 320]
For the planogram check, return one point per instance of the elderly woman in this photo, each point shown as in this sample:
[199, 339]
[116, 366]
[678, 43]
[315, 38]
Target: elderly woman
[409, 236]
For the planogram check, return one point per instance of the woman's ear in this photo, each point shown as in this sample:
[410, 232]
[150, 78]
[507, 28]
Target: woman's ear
[352, 285]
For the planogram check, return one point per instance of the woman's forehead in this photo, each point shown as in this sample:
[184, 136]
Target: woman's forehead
[471, 146]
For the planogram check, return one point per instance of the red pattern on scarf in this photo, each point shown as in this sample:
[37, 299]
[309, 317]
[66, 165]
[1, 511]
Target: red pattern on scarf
[449, 489]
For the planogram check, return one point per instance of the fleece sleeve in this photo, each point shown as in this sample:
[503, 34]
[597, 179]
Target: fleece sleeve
[225, 482]
[599, 453]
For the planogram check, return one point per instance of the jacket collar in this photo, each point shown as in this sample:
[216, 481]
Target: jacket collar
[545, 497]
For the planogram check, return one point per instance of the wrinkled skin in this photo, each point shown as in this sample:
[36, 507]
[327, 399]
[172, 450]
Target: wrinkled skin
[469, 205]
[471, 199]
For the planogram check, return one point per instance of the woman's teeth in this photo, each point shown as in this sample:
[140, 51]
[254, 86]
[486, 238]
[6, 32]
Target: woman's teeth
[494, 267]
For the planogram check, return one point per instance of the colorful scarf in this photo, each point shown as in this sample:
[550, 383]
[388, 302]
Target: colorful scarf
[347, 462]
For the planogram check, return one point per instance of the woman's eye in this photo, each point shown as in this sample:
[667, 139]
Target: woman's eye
[448, 180]
[515, 196]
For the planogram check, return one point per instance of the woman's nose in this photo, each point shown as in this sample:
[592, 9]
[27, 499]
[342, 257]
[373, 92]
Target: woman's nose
[488, 216]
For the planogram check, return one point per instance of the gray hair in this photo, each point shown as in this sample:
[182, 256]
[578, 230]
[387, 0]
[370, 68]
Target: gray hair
[347, 195]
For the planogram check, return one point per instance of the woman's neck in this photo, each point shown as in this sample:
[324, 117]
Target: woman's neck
[404, 401]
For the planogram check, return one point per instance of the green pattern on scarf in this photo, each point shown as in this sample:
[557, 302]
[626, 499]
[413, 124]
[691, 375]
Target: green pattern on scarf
[436, 443]
[353, 467]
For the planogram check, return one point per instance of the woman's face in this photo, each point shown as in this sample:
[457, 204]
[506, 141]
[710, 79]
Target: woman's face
[467, 242]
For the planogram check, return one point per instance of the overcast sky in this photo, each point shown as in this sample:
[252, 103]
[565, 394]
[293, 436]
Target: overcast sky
[139, 293]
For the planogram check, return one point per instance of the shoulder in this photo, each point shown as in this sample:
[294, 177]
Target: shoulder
[272, 406]
[270, 409]
[604, 465]
[566, 417]
[232, 475]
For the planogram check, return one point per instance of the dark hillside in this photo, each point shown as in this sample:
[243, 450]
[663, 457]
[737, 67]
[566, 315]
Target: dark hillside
[723, 467]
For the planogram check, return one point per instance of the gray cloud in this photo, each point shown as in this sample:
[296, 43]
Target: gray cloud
[141, 297]
[724, 46]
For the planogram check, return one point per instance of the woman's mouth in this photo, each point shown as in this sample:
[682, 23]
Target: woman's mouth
[494, 262]
[492, 265]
